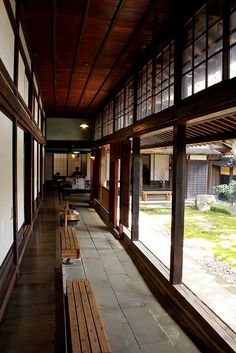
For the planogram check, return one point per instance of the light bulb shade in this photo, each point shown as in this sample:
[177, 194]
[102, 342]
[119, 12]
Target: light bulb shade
[84, 125]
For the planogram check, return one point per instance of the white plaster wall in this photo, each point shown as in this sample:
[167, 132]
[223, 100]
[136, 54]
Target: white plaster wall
[22, 37]
[39, 120]
[23, 83]
[13, 6]
[21, 76]
[6, 187]
[6, 40]
[20, 177]
[66, 129]
[159, 167]
[36, 111]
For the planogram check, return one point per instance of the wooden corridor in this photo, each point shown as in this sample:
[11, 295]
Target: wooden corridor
[29, 321]
[134, 320]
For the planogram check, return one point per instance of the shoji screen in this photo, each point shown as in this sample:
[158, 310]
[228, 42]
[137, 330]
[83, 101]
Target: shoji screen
[6, 40]
[6, 188]
[20, 177]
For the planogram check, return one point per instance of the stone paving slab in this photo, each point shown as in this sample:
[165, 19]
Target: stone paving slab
[134, 320]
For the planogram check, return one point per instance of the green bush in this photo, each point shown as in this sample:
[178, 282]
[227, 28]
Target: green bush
[218, 208]
[227, 190]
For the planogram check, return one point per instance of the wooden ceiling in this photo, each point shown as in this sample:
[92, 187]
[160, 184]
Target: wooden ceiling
[82, 48]
[201, 131]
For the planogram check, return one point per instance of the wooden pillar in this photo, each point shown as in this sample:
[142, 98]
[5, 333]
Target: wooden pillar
[113, 191]
[125, 183]
[29, 155]
[177, 226]
[141, 173]
[96, 176]
[135, 188]
[187, 174]
[231, 174]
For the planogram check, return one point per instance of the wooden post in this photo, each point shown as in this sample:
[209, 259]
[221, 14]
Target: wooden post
[135, 188]
[125, 183]
[177, 226]
[113, 191]
[65, 215]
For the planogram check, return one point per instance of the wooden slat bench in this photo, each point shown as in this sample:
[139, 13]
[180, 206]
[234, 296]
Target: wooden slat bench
[69, 243]
[66, 217]
[166, 193]
[87, 333]
[63, 207]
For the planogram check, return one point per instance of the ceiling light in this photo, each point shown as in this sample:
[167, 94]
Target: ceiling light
[84, 125]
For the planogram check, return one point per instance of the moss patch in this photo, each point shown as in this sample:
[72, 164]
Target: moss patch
[217, 228]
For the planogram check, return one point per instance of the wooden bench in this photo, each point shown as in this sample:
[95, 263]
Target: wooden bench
[69, 243]
[87, 333]
[166, 193]
[63, 207]
[66, 217]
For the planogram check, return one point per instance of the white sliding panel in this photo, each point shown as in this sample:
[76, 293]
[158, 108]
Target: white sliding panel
[6, 40]
[6, 187]
[20, 177]
[36, 111]
[23, 83]
[13, 6]
[22, 37]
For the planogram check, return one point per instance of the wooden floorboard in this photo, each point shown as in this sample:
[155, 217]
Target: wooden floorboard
[29, 321]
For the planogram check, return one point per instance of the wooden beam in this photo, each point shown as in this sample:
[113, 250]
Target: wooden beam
[11, 103]
[135, 188]
[178, 193]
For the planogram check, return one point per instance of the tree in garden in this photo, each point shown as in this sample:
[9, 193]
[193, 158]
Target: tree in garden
[227, 189]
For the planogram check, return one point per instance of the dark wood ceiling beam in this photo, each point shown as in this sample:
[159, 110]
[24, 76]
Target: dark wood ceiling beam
[214, 137]
[126, 46]
[200, 129]
[113, 20]
[54, 10]
[215, 126]
[228, 123]
[77, 49]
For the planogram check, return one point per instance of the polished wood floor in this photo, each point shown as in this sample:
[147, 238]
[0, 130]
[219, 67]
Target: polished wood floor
[29, 321]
